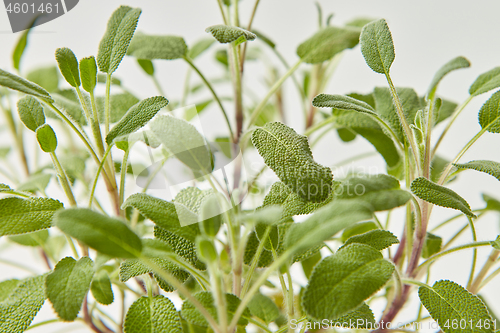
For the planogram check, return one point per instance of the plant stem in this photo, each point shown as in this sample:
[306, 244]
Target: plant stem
[45, 322]
[255, 261]
[249, 28]
[63, 179]
[285, 291]
[123, 175]
[451, 219]
[107, 104]
[256, 112]
[474, 253]
[101, 165]
[238, 101]
[96, 129]
[17, 265]
[222, 11]
[209, 86]
[18, 138]
[489, 278]
[475, 285]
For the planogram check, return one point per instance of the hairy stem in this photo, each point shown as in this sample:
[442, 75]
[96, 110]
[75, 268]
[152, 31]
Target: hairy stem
[475, 285]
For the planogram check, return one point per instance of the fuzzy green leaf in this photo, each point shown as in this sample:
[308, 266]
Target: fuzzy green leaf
[486, 82]
[116, 40]
[88, 73]
[184, 141]
[326, 43]
[263, 308]
[489, 167]
[378, 239]
[46, 77]
[341, 102]
[31, 112]
[21, 306]
[326, 222]
[36, 238]
[453, 64]
[489, 114]
[119, 105]
[340, 283]
[36, 182]
[66, 100]
[157, 47]
[68, 285]
[21, 44]
[266, 257]
[46, 138]
[68, 65]
[357, 229]
[18, 216]
[15, 82]
[105, 234]
[227, 34]
[7, 287]
[432, 245]
[101, 288]
[289, 156]
[447, 302]
[152, 315]
[439, 195]
[147, 66]
[359, 318]
[192, 315]
[383, 192]
[137, 116]
[491, 202]
[377, 46]
[199, 47]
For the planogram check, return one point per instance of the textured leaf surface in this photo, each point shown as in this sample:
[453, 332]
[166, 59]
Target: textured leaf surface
[31, 112]
[486, 82]
[227, 34]
[68, 65]
[448, 301]
[377, 46]
[340, 283]
[116, 40]
[453, 64]
[46, 138]
[18, 216]
[326, 43]
[88, 73]
[342, 102]
[15, 82]
[192, 315]
[289, 156]
[263, 308]
[184, 141]
[266, 257]
[432, 245]
[490, 167]
[46, 77]
[22, 305]
[152, 315]
[157, 47]
[439, 195]
[199, 47]
[137, 116]
[357, 229]
[36, 238]
[378, 239]
[326, 222]
[68, 284]
[7, 287]
[359, 318]
[489, 114]
[119, 105]
[105, 234]
[101, 288]
[381, 191]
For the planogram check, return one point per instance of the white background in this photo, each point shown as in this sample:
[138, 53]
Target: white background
[426, 35]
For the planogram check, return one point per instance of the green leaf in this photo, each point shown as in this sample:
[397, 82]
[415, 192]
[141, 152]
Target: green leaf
[489, 167]
[205, 249]
[308, 264]
[119, 105]
[155, 314]
[22, 305]
[7, 287]
[192, 315]
[432, 245]
[15, 82]
[445, 111]
[31, 112]
[199, 47]
[341, 102]
[227, 34]
[439, 195]
[116, 40]
[486, 82]
[496, 243]
[264, 39]
[157, 47]
[289, 156]
[489, 114]
[357, 229]
[19, 216]
[147, 66]
[263, 308]
[326, 222]
[45, 77]
[21, 44]
[36, 238]
[65, 100]
[68, 65]
[137, 116]
[377, 46]
[491, 203]
[101, 288]
[453, 64]
[46, 138]
[266, 257]
[326, 43]
[88, 73]
[449, 302]
[341, 282]
[68, 284]
[438, 165]
[35, 183]
[378, 239]
[359, 318]
[383, 192]
[184, 141]
[105, 234]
